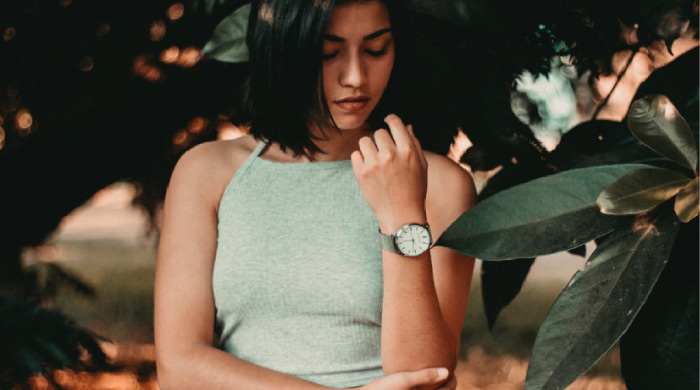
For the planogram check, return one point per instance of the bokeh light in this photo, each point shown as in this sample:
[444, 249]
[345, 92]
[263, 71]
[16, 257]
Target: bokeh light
[227, 130]
[189, 57]
[9, 33]
[146, 70]
[23, 121]
[157, 30]
[181, 138]
[170, 55]
[176, 11]
[86, 64]
[2, 137]
[196, 125]
[460, 145]
[38, 382]
[103, 30]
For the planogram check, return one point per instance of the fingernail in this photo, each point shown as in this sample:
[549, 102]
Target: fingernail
[388, 116]
[443, 372]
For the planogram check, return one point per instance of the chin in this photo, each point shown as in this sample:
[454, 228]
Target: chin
[350, 121]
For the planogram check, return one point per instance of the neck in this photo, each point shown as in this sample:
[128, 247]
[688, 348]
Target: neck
[338, 145]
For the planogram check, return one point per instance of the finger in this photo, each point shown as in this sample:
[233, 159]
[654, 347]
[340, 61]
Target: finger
[425, 376]
[368, 149]
[398, 130]
[417, 145]
[357, 161]
[450, 385]
[383, 140]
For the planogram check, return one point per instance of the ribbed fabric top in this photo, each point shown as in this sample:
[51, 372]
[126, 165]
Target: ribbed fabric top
[298, 272]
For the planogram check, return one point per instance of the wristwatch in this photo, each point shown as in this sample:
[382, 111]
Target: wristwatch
[411, 240]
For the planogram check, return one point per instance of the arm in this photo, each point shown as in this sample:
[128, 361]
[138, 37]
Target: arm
[184, 302]
[421, 324]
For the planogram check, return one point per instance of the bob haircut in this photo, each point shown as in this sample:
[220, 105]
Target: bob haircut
[279, 99]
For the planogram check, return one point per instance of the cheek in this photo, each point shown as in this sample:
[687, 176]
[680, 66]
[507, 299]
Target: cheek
[383, 72]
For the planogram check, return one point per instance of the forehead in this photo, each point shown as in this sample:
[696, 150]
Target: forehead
[358, 18]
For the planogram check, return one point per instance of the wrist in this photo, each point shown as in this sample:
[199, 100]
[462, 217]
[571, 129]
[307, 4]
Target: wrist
[391, 223]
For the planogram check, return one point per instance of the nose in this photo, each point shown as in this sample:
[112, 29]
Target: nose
[353, 73]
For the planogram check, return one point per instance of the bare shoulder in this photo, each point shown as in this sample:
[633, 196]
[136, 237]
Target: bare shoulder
[451, 191]
[447, 179]
[208, 167]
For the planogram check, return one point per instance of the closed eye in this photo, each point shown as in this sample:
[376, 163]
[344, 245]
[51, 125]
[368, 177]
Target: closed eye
[376, 53]
[329, 55]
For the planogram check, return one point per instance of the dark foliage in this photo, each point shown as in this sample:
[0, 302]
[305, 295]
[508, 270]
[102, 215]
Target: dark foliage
[501, 281]
[660, 349]
[37, 341]
[100, 123]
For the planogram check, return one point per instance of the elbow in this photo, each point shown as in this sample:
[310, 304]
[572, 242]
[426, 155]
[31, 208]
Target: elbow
[166, 375]
[443, 356]
[171, 370]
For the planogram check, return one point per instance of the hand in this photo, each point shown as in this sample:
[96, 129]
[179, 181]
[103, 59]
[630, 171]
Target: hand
[450, 385]
[392, 175]
[409, 380]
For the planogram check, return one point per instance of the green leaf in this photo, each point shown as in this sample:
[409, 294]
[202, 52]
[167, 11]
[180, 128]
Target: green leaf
[640, 190]
[655, 122]
[228, 42]
[601, 301]
[543, 216]
[660, 348]
[686, 206]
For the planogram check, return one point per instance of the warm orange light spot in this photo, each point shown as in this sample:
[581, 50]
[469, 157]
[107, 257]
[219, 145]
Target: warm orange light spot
[157, 30]
[143, 68]
[23, 119]
[38, 382]
[460, 145]
[103, 30]
[86, 64]
[65, 3]
[170, 55]
[181, 138]
[175, 11]
[123, 381]
[196, 125]
[227, 130]
[189, 57]
[9, 33]
[63, 378]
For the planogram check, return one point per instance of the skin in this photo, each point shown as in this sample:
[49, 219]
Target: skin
[425, 298]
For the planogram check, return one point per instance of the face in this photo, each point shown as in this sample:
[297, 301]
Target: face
[358, 55]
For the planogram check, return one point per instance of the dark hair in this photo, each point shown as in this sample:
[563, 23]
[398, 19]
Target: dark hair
[280, 96]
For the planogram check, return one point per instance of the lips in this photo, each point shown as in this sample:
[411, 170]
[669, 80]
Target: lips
[352, 103]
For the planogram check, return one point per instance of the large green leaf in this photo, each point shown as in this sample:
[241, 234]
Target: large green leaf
[640, 190]
[601, 301]
[228, 42]
[660, 348]
[655, 122]
[686, 206]
[540, 217]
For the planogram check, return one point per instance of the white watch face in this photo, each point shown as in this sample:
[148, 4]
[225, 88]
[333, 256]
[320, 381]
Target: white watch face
[413, 240]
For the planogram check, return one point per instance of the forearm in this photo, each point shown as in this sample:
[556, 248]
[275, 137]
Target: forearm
[414, 332]
[205, 367]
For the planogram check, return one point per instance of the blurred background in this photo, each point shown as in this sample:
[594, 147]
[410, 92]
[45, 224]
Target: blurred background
[98, 99]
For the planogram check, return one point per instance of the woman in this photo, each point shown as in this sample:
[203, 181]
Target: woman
[276, 268]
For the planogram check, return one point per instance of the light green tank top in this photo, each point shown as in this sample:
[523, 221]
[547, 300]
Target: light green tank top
[298, 272]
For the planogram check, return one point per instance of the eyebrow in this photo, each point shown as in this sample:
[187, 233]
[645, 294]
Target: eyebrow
[367, 37]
